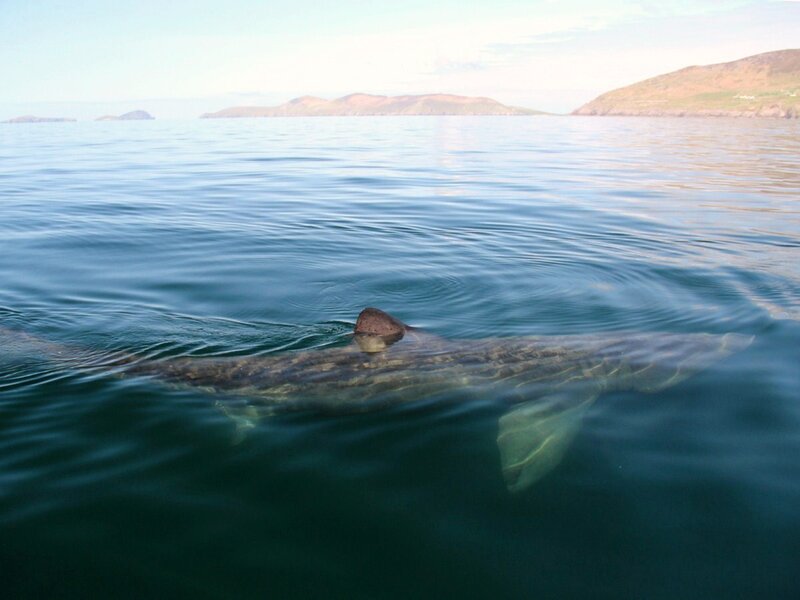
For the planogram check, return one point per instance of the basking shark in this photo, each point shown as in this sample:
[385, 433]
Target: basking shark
[546, 383]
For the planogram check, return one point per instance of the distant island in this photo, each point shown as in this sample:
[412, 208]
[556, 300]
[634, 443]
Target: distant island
[363, 105]
[764, 85]
[32, 119]
[136, 115]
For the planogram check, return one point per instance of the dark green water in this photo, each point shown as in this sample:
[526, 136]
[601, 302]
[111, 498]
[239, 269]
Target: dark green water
[244, 237]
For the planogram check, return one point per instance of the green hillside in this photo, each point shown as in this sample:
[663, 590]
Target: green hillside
[764, 85]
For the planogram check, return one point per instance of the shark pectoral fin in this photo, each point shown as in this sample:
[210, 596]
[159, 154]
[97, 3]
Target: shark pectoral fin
[242, 429]
[534, 436]
[244, 418]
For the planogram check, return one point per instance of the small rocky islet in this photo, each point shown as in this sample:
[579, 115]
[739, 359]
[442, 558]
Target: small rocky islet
[135, 115]
[34, 119]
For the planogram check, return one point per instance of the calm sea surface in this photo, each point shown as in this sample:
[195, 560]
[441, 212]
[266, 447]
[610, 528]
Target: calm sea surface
[241, 237]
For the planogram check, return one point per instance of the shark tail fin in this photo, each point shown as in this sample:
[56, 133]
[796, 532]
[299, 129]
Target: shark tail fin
[534, 436]
[654, 363]
[20, 346]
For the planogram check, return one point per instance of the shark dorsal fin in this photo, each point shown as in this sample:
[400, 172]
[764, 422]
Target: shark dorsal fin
[376, 330]
[373, 321]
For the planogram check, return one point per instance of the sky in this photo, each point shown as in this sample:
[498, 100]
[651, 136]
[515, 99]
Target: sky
[180, 58]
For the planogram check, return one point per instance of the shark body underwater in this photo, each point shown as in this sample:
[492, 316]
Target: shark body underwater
[546, 383]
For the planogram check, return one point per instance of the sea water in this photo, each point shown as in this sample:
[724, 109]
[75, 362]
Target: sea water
[260, 236]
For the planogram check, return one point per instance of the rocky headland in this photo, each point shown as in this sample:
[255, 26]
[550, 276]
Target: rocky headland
[764, 85]
[362, 105]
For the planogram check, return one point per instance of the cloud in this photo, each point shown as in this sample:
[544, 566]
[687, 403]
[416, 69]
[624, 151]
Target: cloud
[446, 67]
[387, 60]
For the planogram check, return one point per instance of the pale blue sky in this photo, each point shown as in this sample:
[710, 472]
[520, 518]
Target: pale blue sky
[179, 58]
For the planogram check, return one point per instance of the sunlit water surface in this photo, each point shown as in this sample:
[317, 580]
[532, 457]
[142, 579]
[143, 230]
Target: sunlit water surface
[214, 238]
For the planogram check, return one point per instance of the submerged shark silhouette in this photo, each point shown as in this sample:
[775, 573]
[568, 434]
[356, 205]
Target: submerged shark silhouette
[547, 383]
